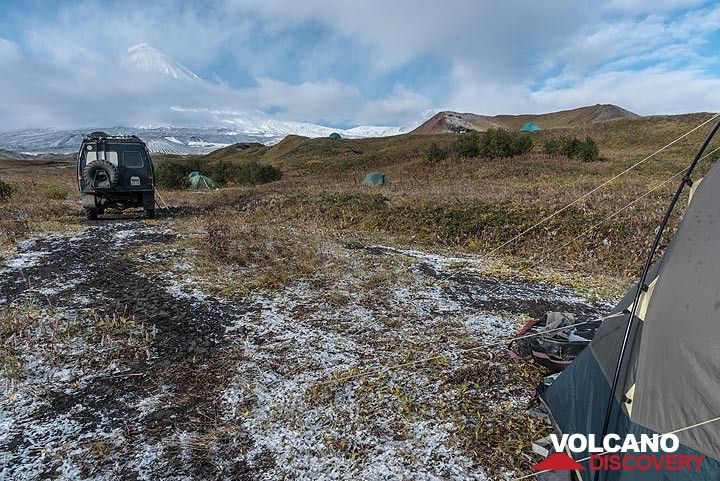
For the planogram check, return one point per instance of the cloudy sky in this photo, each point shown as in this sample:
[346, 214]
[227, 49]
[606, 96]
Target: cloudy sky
[345, 63]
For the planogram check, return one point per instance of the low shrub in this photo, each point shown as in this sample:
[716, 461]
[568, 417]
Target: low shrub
[246, 173]
[588, 150]
[467, 145]
[6, 190]
[500, 143]
[435, 153]
[493, 144]
[173, 174]
[572, 147]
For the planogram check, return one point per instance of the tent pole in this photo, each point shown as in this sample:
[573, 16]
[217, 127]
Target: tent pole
[643, 278]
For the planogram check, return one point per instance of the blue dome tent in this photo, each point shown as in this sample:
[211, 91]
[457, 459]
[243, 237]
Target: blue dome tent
[530, 127]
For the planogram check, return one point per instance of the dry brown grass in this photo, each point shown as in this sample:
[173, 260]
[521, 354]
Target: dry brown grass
[42, 200]
[468, 204]
[274, 255]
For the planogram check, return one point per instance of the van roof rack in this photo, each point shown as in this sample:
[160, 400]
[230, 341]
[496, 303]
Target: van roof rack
[105, 136]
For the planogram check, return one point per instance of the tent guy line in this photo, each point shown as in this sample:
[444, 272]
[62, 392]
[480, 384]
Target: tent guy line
[604, 184]
[494, 250]
[384, 369]
[618, 211]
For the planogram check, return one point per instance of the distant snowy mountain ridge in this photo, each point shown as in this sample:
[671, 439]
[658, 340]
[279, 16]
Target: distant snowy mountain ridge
[176, 140]
[237, 125]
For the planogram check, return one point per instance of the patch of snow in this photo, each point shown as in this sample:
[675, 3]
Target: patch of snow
[174, 287]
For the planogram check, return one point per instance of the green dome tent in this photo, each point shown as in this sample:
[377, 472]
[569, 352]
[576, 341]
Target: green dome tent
[200, 182]
[530, 127]
[334, 136]
[375, 178]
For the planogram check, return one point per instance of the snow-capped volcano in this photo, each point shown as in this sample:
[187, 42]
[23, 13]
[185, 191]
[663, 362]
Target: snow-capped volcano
[146, 58]
[200, 127]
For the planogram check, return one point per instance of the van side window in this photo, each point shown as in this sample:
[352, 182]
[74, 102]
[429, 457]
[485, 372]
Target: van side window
[132, 159]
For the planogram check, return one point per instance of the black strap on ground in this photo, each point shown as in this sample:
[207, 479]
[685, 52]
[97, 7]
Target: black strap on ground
[686, 180]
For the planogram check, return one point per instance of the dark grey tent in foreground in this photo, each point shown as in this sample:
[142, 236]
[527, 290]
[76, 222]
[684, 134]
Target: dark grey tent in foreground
[670, 376]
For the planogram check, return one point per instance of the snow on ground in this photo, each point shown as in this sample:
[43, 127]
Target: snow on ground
[372, 369]
[304, 437]
[359, 430]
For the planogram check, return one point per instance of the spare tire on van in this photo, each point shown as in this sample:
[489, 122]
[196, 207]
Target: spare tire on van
[101, 175]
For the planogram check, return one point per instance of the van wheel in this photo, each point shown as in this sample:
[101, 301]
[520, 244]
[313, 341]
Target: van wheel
[150, 213]
[91, 214]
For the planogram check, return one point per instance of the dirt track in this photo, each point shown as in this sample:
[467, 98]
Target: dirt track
[189, 386]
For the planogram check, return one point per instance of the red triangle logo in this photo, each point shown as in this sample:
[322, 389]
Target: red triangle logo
[558, 462]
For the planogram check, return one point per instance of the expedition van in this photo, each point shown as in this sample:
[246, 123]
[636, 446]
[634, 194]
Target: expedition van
[115, 171]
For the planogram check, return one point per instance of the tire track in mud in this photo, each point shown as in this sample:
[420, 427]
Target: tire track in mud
[167, 410]
[187, 364]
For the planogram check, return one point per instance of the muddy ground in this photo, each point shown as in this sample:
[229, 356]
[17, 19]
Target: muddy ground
[119, 364]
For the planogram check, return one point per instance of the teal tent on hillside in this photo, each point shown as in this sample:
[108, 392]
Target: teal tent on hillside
[198, 181]
[530, 127]
[334, 136]
[375, 178]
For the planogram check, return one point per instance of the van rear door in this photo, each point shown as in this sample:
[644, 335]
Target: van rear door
[134, 167]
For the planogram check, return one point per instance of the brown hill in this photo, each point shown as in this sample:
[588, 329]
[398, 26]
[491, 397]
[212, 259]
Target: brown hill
[460, 122]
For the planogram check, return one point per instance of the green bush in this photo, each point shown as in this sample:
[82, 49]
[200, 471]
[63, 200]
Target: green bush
[522, 144]
[500, 143]
[586, 150]
[435, 153]
[173, 174]
[6, 190]
[493, 144]
[252, 173]
[551, 146]
[468, 145]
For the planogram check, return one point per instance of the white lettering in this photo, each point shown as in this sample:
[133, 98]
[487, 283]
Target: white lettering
[649, 443]
[577, 443]
[559, 444]
[593, 447]
[611, 443]
[630, 444]
[669, 443]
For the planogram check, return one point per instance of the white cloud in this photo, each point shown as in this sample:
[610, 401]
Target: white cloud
[498, 57]
[109, 92]
[494, 36]
[650, 6]
[648, 91]
[328, 100]
[400, 107]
